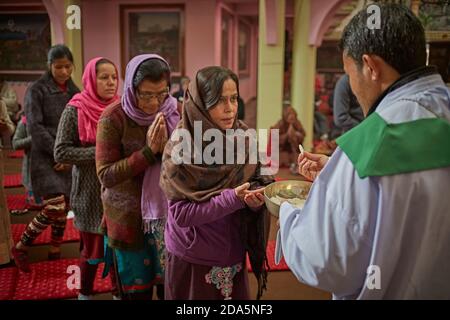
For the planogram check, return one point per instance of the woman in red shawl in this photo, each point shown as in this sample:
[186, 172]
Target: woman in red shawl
[75, 145]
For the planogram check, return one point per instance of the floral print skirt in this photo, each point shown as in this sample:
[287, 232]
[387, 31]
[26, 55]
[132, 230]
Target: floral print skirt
[139, 270]
[188, 281]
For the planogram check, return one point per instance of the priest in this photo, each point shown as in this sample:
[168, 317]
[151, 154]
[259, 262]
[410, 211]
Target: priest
[376, 224]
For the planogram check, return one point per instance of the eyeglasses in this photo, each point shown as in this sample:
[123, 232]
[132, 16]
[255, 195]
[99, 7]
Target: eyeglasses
[233, 99]
[147, 96]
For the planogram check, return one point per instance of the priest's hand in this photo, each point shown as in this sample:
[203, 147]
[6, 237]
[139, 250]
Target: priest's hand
[310, 164]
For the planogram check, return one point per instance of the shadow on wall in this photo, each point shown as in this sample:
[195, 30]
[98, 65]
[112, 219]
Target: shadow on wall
[250, 113]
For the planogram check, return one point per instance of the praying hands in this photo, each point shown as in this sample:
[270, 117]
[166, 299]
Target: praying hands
[157, 135]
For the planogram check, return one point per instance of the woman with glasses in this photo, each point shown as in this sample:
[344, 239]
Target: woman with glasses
[214, 219]
[131, 136]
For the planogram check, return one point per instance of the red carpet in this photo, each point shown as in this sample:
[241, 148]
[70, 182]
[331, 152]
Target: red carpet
[16, 154]
[50, 279]
[16, 201]
[12, 180]
[271, 259]
[71, 234]
[47, 280]
[8, 279]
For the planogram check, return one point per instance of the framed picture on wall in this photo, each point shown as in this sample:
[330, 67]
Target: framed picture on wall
[244, 43]
[153, 29]
[24, 41]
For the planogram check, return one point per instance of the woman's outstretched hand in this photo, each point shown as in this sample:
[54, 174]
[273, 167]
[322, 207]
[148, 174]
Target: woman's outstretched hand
[254, 199]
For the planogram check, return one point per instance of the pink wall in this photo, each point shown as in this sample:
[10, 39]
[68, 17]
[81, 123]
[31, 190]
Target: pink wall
[322, 12]
[200, 35]
[248, 83]
[56, 12]
[101, 31]
[101, 35]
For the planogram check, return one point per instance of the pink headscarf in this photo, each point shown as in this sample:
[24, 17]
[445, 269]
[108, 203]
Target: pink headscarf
[90, 106]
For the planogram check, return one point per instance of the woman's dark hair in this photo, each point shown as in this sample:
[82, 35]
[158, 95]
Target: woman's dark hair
[102, 61]
[399, 40]
[210, 81]
[153, 70]
[58, 51]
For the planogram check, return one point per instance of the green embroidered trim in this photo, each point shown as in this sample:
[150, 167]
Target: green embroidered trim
[377, 148]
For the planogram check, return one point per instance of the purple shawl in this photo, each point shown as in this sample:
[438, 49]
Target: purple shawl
[153, 201]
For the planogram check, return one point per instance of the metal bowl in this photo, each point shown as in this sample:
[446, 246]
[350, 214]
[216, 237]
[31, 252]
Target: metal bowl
[295, 187]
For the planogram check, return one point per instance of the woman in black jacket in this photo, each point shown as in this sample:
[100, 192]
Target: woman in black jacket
[44, 103]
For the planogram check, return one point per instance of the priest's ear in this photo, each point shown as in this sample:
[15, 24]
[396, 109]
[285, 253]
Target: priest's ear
[372, 66]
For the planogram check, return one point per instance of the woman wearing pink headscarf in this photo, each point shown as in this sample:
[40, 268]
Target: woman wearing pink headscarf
[75, 145]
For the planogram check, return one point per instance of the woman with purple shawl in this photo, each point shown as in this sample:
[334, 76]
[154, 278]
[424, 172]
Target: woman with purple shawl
[131, 137]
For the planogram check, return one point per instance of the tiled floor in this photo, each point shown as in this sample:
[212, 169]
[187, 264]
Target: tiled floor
[281, 285]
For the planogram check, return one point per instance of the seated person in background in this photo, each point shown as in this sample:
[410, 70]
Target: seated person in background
[291, 135]
[6, 126]
[9, 109]
[321, 128]
[323, 135]
[8, 98]
[346, 109]
[323, 106]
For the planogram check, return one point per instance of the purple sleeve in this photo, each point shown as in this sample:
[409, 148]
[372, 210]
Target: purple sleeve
[188, 213]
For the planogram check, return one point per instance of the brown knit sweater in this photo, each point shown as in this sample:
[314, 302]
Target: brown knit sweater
[121, 159]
